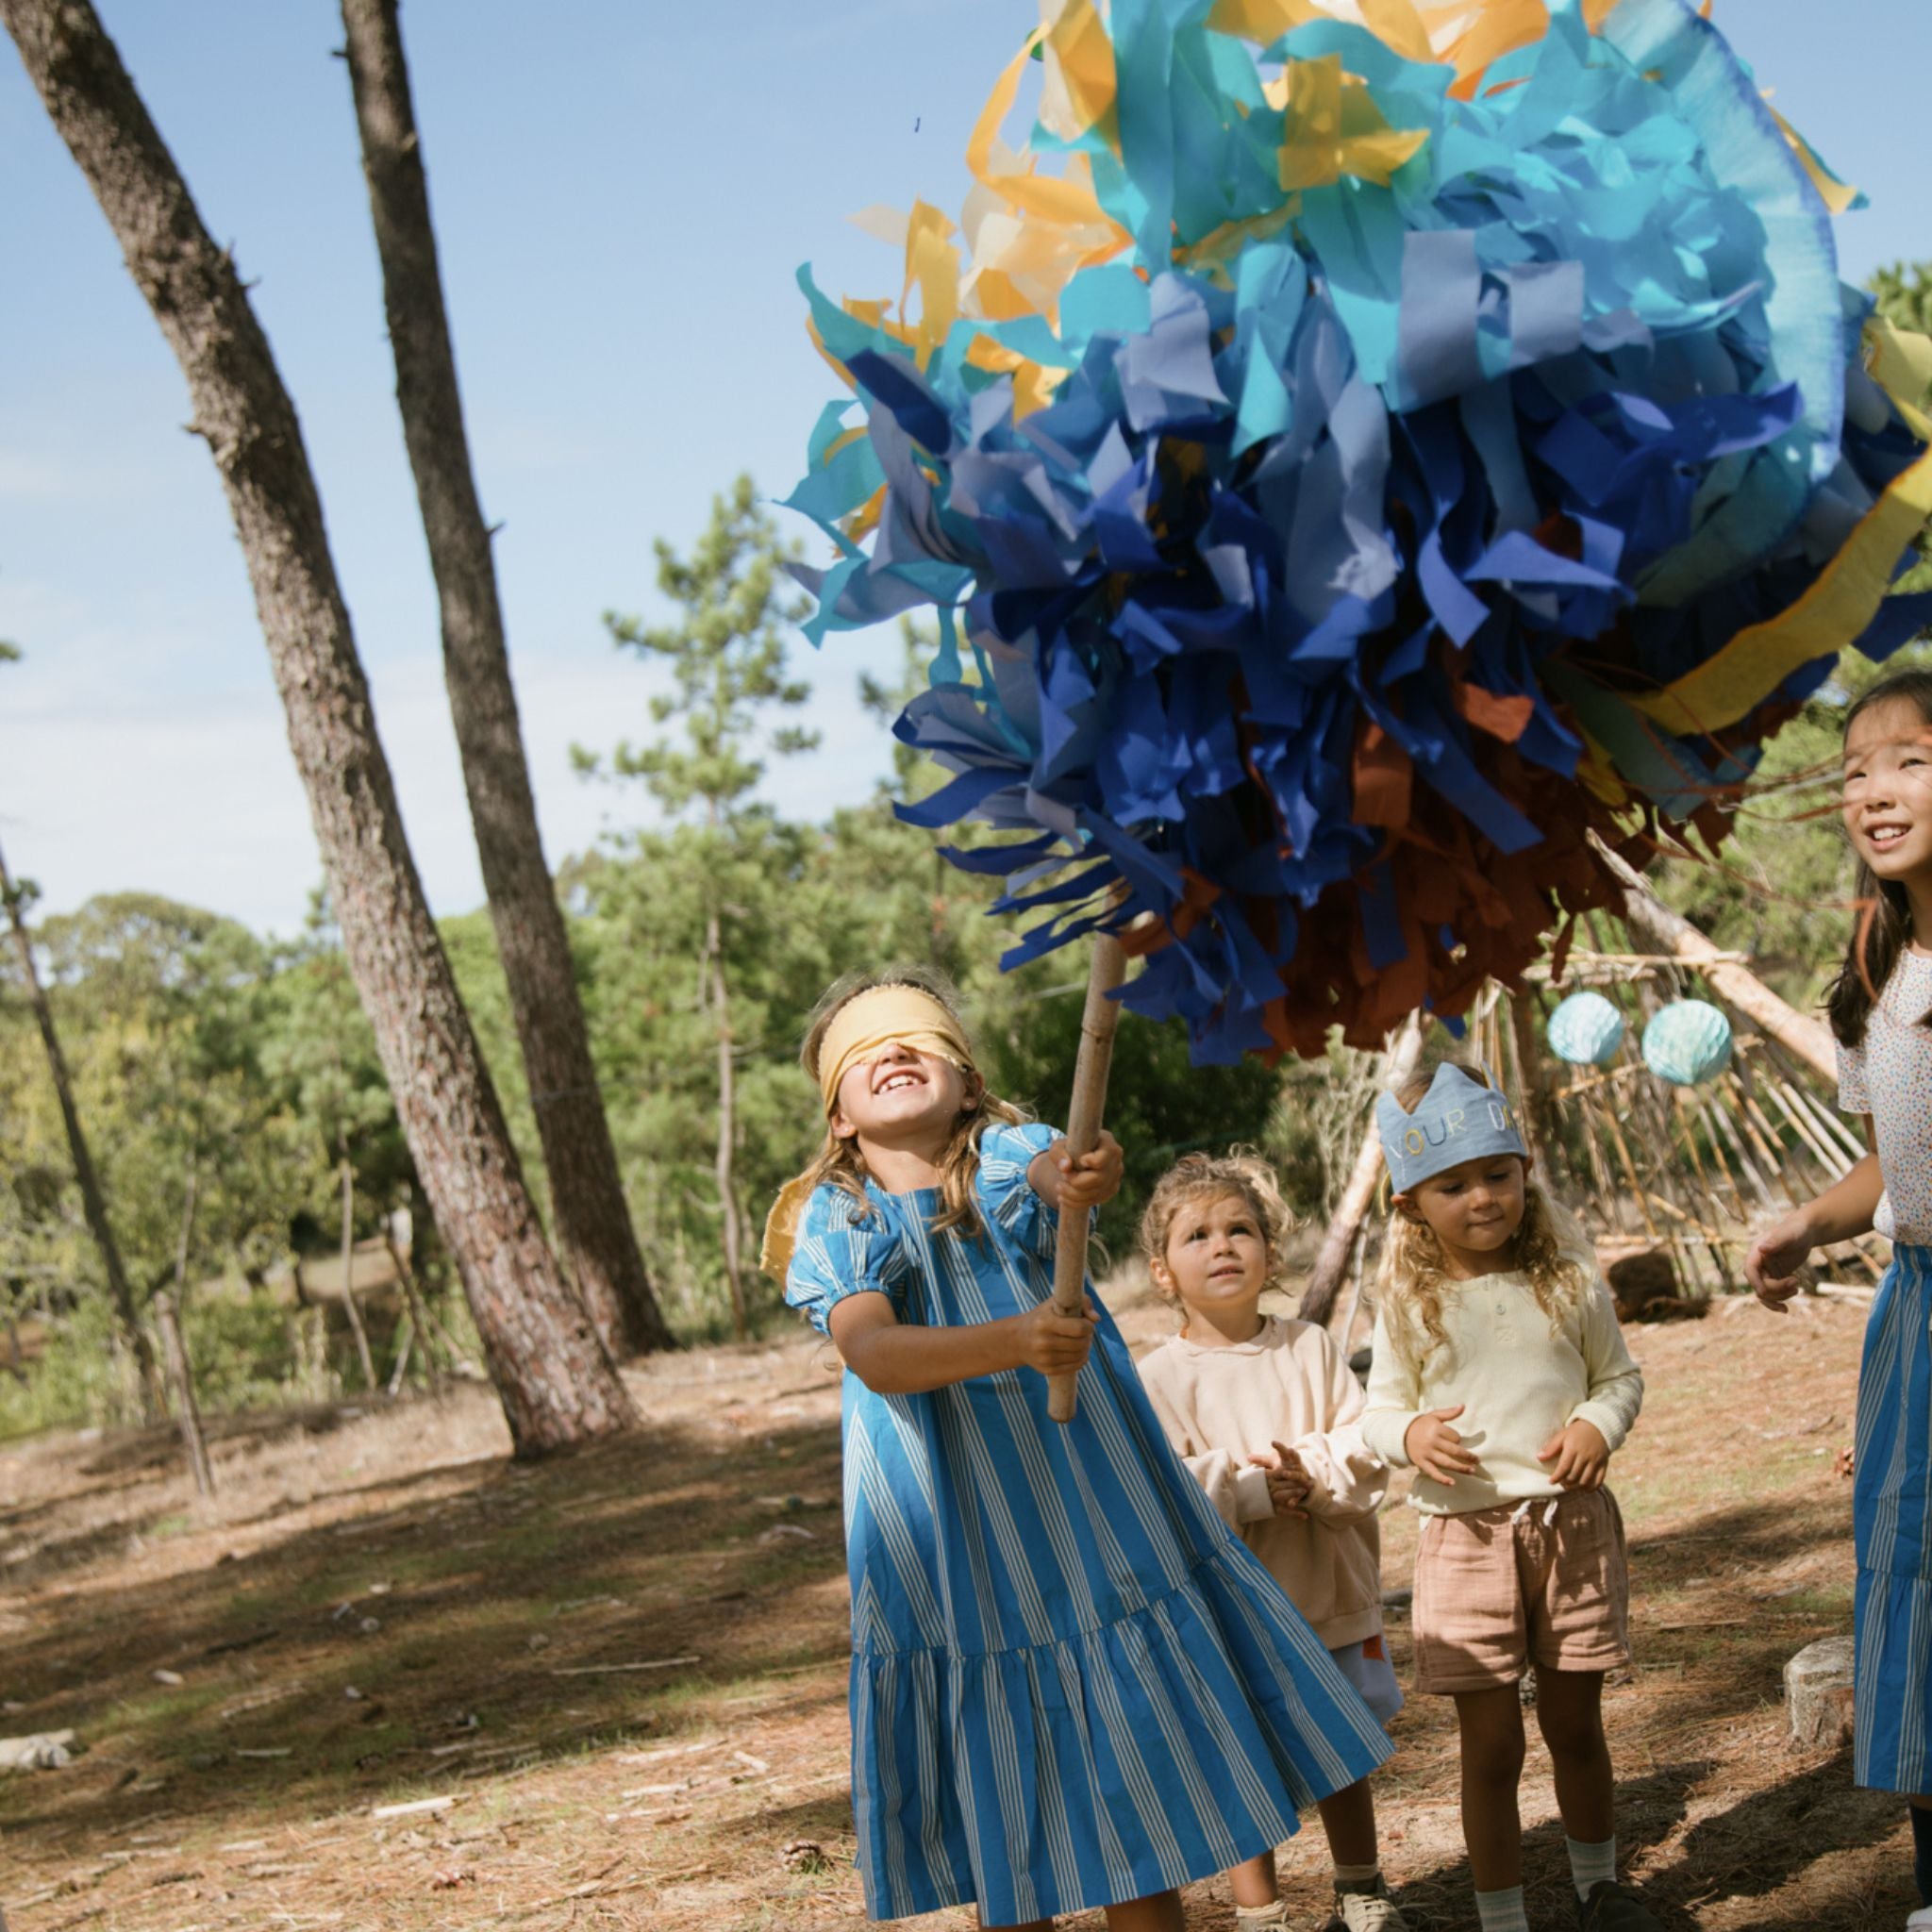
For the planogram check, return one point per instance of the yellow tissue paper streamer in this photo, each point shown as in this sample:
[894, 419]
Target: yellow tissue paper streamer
[1336, 129]
[1474, 43]
[1081, 80]
[1836, 607]
[1031, 261]
[1900, 363]
[933, 264]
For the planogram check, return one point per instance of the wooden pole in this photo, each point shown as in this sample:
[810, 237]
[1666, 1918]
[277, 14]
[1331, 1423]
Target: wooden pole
[420, 1316]
[168, 1305]
[1084, 1117]
[348, 1252]
[1532, 1090]
[1324, 1281]
[94, 1203]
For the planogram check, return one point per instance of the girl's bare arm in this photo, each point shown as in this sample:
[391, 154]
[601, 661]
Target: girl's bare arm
[894, 1357]
[1842, 1212]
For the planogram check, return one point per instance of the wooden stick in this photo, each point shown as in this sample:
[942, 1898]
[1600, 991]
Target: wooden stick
[1084, 1117]
[1324, 1281]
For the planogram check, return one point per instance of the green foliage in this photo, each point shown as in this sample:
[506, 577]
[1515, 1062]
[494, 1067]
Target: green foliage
[80, 1376]
[164, 1012]
[1157, 1107]
[1903, 293]
[726, 658]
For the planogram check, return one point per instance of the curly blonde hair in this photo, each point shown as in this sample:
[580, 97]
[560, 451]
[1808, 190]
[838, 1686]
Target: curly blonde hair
[1548, 1247]
[840, 1163]
[1201, 1177]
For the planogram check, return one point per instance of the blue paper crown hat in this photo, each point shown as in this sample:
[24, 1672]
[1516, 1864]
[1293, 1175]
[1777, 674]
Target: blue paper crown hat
[1459, 1119]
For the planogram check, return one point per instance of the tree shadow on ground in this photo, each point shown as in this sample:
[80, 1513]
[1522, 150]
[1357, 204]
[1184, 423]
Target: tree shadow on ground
[1649, 1808]
[1773, 1835]
[158, 1447]
[489, 1617]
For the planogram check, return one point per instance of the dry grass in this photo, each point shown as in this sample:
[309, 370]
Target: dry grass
[381, 1608]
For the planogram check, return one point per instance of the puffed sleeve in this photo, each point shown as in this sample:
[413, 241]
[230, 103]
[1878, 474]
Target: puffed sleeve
[1005, 1196]
[1854, 1097]
[843, 1248]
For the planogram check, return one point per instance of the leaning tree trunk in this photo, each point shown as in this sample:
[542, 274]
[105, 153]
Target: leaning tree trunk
[1654, 922]
[170, 1305]
[1331, 1264]
[154, 1404]
[555, 1383]
[728, 1135]
[593, 1224]
[346, 1174]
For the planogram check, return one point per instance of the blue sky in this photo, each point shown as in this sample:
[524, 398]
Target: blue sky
[622, 193]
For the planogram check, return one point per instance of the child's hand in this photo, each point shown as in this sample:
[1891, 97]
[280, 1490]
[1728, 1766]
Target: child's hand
[1436, 1449]
[1288, 1481]
[1580, 1456]
[1771, 1264]
[1092, 1178]
[1845, 1464]
[1054, 1343]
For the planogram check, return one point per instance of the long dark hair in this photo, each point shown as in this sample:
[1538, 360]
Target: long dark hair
[1885, 923]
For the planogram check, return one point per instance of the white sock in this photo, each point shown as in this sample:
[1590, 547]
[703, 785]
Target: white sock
[1502, 1911]
[1358, 1875]
[1591, 1865]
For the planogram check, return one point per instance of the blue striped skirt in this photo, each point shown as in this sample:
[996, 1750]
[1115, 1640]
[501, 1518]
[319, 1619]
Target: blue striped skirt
[1172, 1743]
[1891, 1514]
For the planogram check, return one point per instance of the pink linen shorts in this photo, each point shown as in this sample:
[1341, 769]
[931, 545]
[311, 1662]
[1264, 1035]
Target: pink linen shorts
[1546, 1582]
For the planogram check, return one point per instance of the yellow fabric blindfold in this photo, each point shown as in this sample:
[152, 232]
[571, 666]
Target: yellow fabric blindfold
[861, 1029]
[870, 1021]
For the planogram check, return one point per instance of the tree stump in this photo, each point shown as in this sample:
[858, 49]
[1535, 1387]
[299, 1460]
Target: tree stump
[1818, 1694]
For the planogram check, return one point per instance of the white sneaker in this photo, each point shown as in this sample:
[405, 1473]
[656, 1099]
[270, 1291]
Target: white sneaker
[1367, 1911]
[1920, 1920]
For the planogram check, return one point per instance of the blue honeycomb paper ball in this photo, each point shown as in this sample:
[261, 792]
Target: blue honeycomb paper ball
[1688, 1042]
[1586, 1030]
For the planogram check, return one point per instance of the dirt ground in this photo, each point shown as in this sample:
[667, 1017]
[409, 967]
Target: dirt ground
[613, 1685]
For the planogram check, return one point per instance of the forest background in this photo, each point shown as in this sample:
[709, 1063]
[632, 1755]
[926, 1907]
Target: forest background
[245, 1131]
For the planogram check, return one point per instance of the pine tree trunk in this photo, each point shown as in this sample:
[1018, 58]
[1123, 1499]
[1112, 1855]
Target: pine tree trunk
[593, 1225]
[1539, 1124]
[154, 1403]
[1324, 1281]
[727, 1136]
[168, 1307]
[355, 1314]
[555, 1383]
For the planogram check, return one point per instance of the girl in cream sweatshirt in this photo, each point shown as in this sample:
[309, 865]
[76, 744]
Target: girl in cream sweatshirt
[1265, 1413]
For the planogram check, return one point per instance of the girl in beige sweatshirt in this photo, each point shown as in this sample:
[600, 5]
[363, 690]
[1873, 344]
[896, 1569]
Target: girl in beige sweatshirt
[1265, 1413]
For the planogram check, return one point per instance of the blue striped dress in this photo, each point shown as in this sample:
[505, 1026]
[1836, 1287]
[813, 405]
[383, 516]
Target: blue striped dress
[1072, 1685]
[1888, 1075]
[1892, 1527]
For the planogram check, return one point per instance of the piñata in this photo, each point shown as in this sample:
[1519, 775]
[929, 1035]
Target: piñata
[1363, 451]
